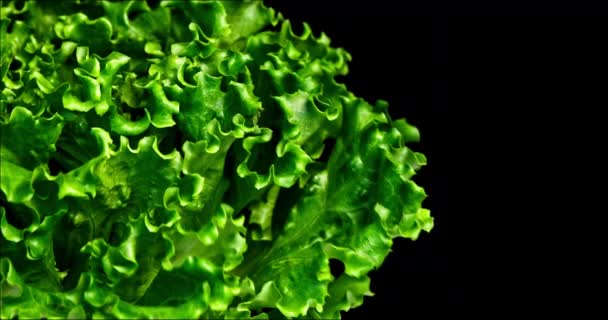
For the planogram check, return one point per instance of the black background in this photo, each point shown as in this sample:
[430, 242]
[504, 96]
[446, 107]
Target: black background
[505, 100]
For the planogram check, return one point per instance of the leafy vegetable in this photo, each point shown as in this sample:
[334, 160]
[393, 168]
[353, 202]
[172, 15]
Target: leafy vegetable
[191, 159]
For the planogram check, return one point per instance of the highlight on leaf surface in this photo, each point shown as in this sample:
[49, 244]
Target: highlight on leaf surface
[190, 159]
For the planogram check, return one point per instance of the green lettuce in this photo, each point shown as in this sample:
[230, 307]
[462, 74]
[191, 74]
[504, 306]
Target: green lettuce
[191, 159]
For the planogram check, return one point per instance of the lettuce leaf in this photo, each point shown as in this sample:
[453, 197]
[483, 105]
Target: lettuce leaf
[190, 159]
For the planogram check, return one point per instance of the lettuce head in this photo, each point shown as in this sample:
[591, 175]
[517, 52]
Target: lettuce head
[190, 159]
